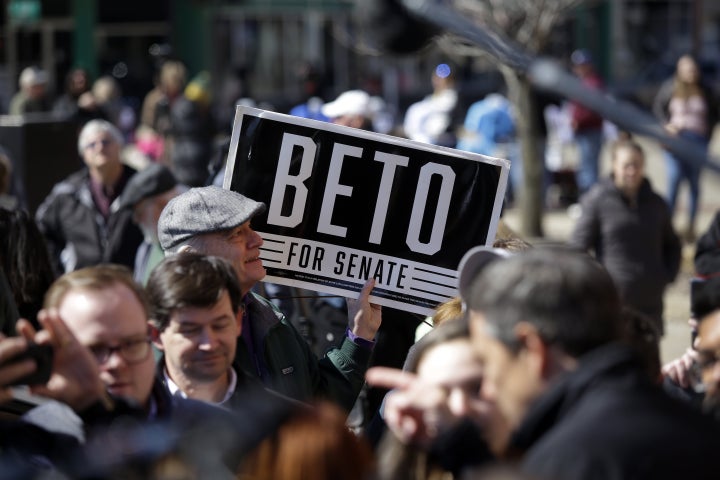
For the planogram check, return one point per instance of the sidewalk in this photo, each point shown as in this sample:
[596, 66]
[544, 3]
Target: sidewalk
[558, 226]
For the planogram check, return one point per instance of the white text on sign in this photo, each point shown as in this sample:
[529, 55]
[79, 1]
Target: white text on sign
[333, 189]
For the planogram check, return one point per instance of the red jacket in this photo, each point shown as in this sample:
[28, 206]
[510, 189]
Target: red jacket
[583, 118]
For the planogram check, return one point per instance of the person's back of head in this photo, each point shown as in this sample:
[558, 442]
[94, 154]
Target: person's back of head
[641, 333]
[569, 298]
[25, 260]
[314, 443]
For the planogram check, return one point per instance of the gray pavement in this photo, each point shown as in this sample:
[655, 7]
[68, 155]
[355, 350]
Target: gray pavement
[558, 224]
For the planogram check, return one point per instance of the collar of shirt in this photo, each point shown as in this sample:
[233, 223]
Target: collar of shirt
[105, 196]
[175, 390]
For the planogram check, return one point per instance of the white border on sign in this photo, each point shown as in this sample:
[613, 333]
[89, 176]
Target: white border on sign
[242, 110]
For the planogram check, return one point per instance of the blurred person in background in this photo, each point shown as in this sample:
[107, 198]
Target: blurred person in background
[145, 195]
[25, 261]
[80, 218]
[33, 96]
[191, 132]
[156, 104]
[431, 120]
[312, 444]
[587, 126]
[687, 108]
[69, 105]
[629, 228]
[312, 85]
[108, 100]
[353, 108]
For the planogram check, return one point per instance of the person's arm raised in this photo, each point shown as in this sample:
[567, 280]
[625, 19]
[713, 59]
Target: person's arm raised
[75, 378]
[364, 318]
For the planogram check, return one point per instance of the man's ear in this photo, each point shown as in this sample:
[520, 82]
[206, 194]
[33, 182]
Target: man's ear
[186, 249]
[535, 349]
[155, 335]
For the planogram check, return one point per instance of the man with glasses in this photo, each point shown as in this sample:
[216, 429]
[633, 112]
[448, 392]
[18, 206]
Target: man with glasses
[138, 420]
[81, 219]
[107, 312]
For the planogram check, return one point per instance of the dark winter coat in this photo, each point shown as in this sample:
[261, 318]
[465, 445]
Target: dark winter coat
[634, 241]
[293, 369]
[76, 232]
[606, 421]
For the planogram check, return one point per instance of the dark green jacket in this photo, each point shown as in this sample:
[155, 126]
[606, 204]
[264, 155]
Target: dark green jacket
[292, 368]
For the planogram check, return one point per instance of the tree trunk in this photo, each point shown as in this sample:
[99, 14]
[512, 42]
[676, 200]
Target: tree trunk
[530, 198]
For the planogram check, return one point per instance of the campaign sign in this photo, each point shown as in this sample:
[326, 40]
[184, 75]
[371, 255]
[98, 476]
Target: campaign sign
[345, 205]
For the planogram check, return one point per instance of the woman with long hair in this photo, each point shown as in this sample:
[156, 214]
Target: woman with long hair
[686, 108]
[25, 261]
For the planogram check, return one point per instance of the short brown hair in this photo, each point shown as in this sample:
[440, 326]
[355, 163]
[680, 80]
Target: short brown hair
[190, 279]
[98, 277]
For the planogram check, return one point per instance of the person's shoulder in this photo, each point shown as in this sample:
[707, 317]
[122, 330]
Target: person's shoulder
[70, 184]
[257, 301]
[598, 192]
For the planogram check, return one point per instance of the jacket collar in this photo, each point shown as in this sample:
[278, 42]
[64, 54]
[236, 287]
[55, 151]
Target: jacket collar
[609, 361]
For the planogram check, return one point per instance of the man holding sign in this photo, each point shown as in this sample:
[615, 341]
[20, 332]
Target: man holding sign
[215, 221]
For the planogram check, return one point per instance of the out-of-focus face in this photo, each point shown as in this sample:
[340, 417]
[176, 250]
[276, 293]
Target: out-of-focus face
[687, 70]
[241, 247]
[454, 367]
[628, 169]
[110, 318]
[510, 381]
[37, 91]
[354, 121]
[146, 214]
[199, 342]
[708, 347]
[78, 82]
[101, 152]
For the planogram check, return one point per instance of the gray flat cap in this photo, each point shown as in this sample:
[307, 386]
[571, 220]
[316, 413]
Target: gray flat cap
[204, 210]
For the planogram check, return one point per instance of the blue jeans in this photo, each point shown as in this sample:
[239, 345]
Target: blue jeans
[679, 170]
[589, 143]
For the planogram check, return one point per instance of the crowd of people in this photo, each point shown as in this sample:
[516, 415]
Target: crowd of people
[138, 339]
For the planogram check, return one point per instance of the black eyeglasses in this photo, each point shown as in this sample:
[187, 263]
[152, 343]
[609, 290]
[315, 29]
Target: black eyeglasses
[132, 351]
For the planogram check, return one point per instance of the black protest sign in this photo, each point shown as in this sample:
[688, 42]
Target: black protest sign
[346, 204]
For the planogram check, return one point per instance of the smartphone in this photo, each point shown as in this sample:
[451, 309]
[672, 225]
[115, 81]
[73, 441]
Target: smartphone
[43, 356]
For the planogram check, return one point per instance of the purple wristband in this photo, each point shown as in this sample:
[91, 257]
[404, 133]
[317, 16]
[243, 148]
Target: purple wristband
[359, 340]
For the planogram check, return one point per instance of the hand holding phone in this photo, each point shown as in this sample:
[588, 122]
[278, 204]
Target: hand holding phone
[43, 357]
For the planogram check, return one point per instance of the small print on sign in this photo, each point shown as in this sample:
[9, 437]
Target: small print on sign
[345, 205]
